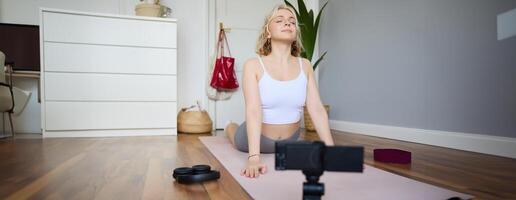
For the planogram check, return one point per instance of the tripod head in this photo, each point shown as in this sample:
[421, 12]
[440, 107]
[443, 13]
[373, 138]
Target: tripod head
[313, 158]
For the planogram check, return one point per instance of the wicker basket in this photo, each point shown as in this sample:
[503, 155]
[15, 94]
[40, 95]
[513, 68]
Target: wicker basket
[309, 126]
[147, 9]
[194, 122]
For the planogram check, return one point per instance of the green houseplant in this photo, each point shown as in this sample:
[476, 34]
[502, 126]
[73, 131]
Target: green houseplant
[308, 28]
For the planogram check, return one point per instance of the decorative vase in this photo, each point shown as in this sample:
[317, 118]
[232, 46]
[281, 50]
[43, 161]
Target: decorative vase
[309, 126]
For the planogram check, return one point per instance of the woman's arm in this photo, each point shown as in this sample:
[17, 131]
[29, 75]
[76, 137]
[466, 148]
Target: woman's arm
[253, 115]
[253, 110]
[315, 107]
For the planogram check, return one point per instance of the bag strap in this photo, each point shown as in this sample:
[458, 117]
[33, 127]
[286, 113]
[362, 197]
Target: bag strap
[219, 39]
[227, 44]
[220, 44]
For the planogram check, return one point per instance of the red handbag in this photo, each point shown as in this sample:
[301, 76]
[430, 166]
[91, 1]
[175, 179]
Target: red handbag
[224, 76]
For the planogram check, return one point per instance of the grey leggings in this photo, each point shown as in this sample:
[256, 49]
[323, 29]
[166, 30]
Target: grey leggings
[267, 145]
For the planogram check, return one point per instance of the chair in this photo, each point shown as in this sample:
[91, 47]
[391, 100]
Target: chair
[6, 94]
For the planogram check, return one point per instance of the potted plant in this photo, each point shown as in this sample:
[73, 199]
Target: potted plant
[308, 28]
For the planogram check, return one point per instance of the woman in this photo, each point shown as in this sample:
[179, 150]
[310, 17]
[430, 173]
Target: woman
[276, 85]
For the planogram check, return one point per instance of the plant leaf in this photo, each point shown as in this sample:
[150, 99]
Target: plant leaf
[311, 17]
[307, 31]
[319, 60]
[302, 8]
[307, 45]
[303, 54]
[303, 13]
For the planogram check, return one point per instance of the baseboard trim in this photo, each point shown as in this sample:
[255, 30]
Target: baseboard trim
[493, 145]
[109, 133]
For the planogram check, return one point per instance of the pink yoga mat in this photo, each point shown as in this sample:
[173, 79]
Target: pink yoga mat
[373, 183]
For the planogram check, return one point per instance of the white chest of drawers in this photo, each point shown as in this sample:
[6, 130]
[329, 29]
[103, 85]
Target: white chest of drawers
[107, 75]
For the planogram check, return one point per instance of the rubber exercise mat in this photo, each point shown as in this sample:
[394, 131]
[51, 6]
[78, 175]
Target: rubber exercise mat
[373, 183]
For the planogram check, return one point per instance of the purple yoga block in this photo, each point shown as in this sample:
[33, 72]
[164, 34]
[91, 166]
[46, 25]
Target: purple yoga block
[392, 156]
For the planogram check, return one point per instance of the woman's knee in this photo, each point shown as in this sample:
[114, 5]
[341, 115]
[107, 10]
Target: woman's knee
[241, 142]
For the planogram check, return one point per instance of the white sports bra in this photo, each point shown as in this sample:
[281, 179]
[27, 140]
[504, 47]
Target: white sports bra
[282, 101]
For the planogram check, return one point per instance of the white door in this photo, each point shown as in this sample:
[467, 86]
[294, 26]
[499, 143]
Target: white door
[244, 18]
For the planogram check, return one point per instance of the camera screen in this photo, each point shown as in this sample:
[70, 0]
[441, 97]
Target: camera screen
[305, 155]
[299, 155]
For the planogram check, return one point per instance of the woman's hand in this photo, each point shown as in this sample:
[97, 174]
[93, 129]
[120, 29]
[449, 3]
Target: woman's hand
[254, 168]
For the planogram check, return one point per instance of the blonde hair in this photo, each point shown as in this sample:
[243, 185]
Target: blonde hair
[263, 45]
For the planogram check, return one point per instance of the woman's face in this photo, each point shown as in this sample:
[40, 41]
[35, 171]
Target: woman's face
[283, 26]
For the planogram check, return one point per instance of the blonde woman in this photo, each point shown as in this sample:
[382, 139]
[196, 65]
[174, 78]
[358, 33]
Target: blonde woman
[276, 84]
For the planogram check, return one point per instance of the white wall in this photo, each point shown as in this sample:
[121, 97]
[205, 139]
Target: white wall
[27, 11]
[192, 45]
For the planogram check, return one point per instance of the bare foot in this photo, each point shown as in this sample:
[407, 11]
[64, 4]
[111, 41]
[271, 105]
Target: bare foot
[230, 131]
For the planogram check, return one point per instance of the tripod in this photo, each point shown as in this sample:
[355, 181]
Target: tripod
[312, 189]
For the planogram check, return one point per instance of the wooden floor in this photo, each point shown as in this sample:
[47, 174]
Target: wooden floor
[141, 168]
